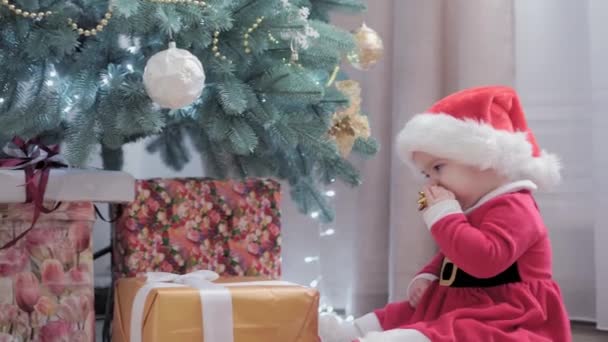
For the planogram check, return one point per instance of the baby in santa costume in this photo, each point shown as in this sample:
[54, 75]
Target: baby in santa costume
[491, 279]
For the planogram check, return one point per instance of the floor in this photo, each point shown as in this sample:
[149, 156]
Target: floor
[586, 332]
[582, 332]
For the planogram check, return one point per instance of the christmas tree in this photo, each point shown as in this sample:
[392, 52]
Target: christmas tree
[72, 71]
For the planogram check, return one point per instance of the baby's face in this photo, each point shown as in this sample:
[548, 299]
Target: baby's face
[468, 183]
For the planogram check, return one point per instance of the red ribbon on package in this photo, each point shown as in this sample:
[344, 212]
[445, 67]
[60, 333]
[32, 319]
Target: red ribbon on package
[36, 160]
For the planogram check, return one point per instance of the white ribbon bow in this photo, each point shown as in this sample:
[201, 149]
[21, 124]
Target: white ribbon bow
[216, 302]
[190, 279]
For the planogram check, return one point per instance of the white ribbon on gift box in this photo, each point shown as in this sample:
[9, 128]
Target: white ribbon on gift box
[65, 184]
[216, 301]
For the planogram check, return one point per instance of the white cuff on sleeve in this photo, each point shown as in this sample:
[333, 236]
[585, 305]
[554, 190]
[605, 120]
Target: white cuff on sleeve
[429, 276]
[441, 210]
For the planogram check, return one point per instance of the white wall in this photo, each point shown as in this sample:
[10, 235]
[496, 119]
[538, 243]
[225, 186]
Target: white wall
[554, 78]
[599, 79]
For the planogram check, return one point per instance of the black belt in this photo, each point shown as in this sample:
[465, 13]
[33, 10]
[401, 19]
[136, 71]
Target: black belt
[451, 275]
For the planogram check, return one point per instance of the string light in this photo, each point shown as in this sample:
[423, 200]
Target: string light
[315, 282]
[272, 38]
[326, 308]
[324, 232]
[328, 232]
[311, 259]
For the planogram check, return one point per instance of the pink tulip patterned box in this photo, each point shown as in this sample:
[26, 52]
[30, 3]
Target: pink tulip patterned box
[46, 278]
[183, 225]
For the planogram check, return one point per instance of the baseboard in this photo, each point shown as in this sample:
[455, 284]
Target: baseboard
[581, 319]
[588, 324]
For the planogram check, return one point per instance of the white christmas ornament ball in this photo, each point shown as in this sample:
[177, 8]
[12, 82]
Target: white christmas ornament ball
[174, 78]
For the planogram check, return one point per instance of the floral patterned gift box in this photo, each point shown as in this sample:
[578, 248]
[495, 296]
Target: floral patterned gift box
[183, 225]
[46, 278]
[46, 257]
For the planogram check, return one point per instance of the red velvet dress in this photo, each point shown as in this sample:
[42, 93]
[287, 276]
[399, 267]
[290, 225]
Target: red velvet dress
[502, 240]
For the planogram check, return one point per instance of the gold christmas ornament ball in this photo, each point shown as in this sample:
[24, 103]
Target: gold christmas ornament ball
[370, 48]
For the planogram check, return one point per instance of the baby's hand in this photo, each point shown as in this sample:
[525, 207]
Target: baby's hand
[417, 290]
[435, 194]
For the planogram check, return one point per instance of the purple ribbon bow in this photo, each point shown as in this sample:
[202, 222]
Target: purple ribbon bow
[36, 160]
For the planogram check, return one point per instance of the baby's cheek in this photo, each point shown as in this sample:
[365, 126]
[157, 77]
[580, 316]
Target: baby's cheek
[459, 192]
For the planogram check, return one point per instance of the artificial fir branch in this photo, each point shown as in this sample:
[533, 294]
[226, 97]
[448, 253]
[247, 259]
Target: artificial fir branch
[260, 114]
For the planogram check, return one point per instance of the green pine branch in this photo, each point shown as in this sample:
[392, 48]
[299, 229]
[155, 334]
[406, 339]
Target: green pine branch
[261, 114]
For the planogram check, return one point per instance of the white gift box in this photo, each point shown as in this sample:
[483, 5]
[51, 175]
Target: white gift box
[72, 185]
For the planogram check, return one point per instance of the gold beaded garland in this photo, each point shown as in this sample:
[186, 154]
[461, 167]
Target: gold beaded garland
[41, 15]
[215, 48]
[100, 26]
[272, 38]
[81, 31]
[192, 2]
[246, 36]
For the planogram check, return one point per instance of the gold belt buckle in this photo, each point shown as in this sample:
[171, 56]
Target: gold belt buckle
[450, 281]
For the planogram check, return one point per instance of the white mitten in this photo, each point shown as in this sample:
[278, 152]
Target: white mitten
[332, 328]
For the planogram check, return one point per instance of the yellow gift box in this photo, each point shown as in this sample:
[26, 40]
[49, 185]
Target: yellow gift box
[172, 308]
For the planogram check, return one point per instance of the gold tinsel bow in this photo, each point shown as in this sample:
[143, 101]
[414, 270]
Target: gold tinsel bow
[348, 124]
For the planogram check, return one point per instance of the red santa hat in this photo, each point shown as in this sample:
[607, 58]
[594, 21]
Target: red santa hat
[484, 127]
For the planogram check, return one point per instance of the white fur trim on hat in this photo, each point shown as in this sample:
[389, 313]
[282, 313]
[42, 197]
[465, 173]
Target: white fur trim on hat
[474, 143]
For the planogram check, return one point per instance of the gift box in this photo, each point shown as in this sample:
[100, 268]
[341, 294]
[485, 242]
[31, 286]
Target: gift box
[169, 308]
[46, 278]
[183, 225]
[71, 185]
[46, 256]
